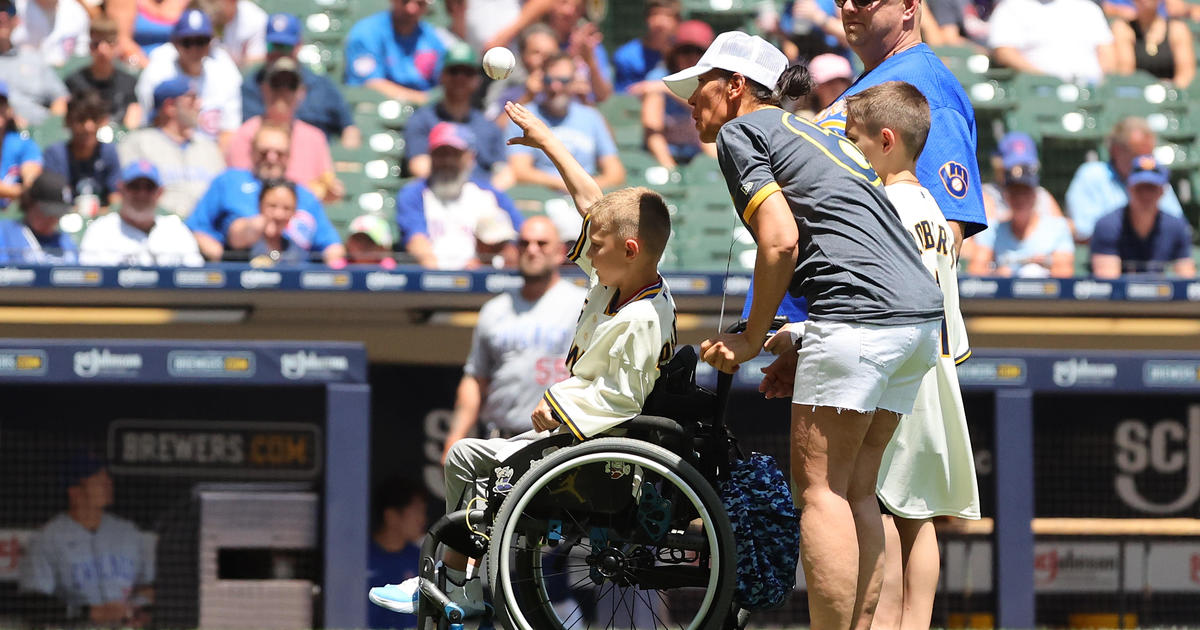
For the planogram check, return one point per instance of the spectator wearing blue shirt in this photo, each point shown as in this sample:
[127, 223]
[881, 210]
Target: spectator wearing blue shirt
[450, 221]
[460, 81]
[581, 128]
[396, 53]
[1140, 238]
[583, 42]
[233, 197]
[1098, 188]
[398, 520]
[36, 238]
[633, 61]
[92, 167]
[323, 106]
[20, 156]
[1030, 244]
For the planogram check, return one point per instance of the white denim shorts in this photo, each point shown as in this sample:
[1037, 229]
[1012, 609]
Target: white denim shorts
[864, 367]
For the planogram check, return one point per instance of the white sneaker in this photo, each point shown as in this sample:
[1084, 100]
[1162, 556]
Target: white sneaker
[401, 597]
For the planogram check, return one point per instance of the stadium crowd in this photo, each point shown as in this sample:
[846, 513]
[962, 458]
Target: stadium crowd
[203, 114]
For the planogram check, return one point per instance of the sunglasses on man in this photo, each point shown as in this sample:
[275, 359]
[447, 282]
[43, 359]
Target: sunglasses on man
[858, 4]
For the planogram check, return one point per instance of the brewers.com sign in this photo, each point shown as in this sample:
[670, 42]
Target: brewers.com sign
[259, 450]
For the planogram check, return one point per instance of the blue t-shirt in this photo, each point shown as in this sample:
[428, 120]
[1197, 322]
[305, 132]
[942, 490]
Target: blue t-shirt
[19, 245]
[489, 143]
[583, 130]
[1097, 189]
[1051, 235]
[390, 567]
[375, 51]
[323, 106]
[101, 172]
[947, 168]
[18, 149]
[234, 195]
[1169, 240]
[410, 207]
[632, 63]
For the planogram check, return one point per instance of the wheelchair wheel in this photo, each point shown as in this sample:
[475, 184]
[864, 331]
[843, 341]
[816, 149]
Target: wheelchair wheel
[623, 525]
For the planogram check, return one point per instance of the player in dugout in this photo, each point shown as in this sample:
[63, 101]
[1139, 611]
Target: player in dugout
[86, 566]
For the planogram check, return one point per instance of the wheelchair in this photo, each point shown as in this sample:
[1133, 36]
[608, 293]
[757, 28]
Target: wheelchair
[628, 528]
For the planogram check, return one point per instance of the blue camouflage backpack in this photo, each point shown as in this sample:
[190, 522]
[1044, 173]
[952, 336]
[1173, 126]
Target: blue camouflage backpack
[767, 530]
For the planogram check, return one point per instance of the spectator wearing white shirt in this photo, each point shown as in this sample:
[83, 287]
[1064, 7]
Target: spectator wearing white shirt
[1069, 39]
[58, 29]
[138, 234]
[218, 80]
[241, 30]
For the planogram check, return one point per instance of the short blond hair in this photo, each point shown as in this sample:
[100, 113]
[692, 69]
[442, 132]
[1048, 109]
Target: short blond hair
[896, 105]
[638, 213]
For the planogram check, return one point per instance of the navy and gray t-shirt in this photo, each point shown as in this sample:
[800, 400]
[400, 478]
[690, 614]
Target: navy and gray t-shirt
[857, 263]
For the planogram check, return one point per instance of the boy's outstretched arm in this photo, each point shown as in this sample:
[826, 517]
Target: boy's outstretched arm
[584, 190]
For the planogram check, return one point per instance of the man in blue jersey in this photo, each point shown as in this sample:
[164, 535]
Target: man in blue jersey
[396, 53]
[637, 58]
[234, 196]
[886, 36]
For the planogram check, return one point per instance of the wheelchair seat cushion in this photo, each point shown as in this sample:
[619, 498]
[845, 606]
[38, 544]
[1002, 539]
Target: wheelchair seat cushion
[766, 528]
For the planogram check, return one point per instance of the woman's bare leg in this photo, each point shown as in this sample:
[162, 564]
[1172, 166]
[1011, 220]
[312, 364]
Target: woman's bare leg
[825, 444]
[922, 563]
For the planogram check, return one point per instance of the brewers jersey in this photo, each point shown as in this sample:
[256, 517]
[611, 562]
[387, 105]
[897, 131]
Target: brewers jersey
[620, 343]
[84, 567]
[928, 468]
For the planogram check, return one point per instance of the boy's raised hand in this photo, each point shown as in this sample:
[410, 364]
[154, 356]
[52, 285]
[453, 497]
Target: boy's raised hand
[536, 131]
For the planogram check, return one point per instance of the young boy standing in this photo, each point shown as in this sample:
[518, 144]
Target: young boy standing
[928, 468]
[625, 333]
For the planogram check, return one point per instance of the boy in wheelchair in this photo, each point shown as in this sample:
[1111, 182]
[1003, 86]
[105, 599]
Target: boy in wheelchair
[625, 333]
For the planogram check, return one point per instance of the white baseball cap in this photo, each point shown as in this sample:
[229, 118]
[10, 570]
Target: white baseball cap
[749, 55]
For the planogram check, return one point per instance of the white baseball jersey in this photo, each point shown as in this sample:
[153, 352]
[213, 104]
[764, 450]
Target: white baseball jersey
[928, 468]
[620, 343]
[245, 37]
[111, 241]
[58, 37]
[219, 88]
[454, 224]
[83, 567]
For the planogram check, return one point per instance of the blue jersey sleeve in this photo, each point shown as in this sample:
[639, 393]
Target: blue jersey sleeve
[949, 169]
[326, 234]
[410, 211]
[795, 309]
[31, 152]
[203, 218]
[55, 159]
[363, 59]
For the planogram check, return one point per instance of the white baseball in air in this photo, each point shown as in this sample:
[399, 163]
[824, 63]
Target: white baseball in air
[499, 62]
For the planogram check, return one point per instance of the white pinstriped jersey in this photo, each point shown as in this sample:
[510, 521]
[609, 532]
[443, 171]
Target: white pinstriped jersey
[928, 468]
[619, 345]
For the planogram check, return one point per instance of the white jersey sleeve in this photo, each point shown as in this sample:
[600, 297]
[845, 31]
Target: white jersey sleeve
[578, 253]
[37, 567]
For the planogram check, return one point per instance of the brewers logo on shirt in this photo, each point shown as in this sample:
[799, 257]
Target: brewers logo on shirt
[955, 178]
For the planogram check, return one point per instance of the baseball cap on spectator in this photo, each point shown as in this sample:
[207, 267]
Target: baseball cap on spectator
[495, 228]
[193, 23]
[447, 134]
[1147, 170]
[52, 193]
[749, 55]
[694, 33]
[284, 29]
[81, 465]
[827, 67]
[169, 89]
[282, 67]
[373, 227]
[461, 54]
[1017, 148]
[141, 169]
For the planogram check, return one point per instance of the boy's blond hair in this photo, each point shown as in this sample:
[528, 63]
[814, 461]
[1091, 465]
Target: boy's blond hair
[896, 105]
[638, 213]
